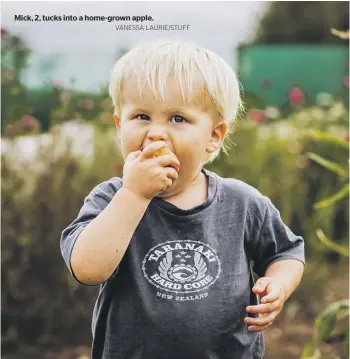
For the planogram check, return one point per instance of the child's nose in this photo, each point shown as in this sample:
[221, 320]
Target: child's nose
[157, 134]
[157, 138]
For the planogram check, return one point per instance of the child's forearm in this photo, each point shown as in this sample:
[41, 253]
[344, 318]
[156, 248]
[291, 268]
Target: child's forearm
[289, 272]
[102, 244]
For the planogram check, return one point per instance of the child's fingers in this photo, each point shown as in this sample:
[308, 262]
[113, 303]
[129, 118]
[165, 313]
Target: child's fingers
[256, 328]
[264, 308]
[259, 328]
[261, 285]
[261, 321]
[171, 173]
[133, 155]
[149, 151]
[274, 292]
[169, 160]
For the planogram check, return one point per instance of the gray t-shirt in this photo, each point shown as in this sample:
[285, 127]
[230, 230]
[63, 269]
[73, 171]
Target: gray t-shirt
[182, 288]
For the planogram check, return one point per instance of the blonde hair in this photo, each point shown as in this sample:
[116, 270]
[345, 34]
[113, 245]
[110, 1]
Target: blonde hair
[191, 65]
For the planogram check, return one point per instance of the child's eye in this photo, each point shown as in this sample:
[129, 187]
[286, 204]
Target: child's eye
[178, 119]
[142, 117]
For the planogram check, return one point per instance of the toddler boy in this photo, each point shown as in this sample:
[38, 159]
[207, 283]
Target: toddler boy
[171, 243]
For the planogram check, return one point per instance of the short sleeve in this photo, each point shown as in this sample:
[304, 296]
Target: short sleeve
[276, 242]
[93, 205]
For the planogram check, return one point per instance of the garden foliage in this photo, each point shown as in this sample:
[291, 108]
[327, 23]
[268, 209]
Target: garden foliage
[43, 306]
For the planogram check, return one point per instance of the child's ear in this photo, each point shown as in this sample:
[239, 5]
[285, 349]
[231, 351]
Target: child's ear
[117, 121]
[217, 137]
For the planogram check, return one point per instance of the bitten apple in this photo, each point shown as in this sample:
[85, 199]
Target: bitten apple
[163, 151]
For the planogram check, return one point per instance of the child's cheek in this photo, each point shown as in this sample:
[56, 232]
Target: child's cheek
[129, 142]
[189, 154]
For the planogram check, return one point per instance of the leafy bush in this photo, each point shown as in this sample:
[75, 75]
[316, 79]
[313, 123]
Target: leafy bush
[273, 158]
[41, 303]
[328, 321]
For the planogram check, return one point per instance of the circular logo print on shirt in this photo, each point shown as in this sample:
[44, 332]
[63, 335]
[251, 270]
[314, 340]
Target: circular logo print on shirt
[181, 266]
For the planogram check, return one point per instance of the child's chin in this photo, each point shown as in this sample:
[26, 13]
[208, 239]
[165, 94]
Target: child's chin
[165, 194]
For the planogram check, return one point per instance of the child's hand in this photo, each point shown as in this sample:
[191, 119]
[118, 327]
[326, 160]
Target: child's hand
[151, 171]
[272, 298]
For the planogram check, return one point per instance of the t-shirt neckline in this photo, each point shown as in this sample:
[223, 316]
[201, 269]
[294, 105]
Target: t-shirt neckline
[169, 207]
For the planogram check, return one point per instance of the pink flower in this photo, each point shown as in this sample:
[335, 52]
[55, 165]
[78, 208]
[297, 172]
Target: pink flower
[28, 122]
[57, 85]
[87, 104]
[296, 96]
[347, 137]
[257, 115]
[346, 81]
[3, 31]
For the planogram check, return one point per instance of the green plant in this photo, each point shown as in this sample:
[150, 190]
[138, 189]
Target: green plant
[327, 321]
[325, 325]
[341, 170]
[42, 305]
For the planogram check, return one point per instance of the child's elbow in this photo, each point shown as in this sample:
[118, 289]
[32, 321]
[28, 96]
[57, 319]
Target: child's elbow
[83, 273]
[86, 278]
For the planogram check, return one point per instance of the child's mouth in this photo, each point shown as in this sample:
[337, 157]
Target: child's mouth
[161, 152]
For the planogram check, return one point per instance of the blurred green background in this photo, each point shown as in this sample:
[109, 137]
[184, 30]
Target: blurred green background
[291, 143]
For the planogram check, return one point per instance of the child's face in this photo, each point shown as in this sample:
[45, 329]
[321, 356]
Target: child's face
[187, 128]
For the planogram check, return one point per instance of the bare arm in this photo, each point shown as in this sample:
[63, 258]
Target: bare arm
[280, 280]
[102, 244]
[288, 272]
